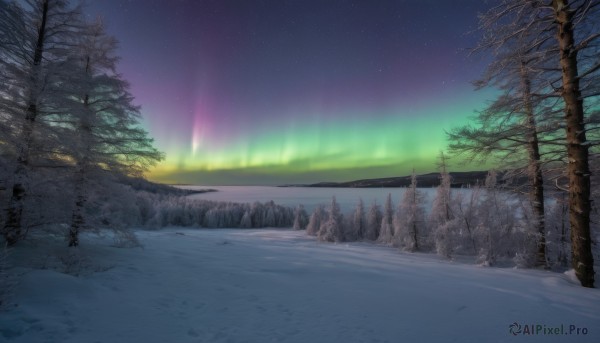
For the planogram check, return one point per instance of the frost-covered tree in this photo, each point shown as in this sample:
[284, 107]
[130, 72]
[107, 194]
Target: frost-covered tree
[488, 230]
[270, 218]
[246, 221]
[179, 210]
[410, 219]
[314, 222]
[468, 216]
[373, 222]
[441, 211]
[386, 231]
[257, 214]
[69, 112]
[36, 37]
[497, 225]
[300, 218]
[441, 214]
[331, 229]
[107, 133]
[359, 221]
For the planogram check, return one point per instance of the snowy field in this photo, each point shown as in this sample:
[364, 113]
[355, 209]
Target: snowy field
[190, 285]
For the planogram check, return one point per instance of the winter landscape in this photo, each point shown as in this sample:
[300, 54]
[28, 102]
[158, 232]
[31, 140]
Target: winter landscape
[185, 283]
[299, 171]
[197, 285]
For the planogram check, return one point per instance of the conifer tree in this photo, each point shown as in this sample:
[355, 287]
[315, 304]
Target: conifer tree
[373, 222]
[386, 231]
[300, 218]
[331, 229]
[410, 222]
[359, 222]
[314, 222]
[441, 216]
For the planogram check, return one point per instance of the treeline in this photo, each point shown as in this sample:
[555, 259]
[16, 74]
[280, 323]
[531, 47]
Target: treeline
[119, 206]
[485, 221]
[157, 211]
[545, 122]
[69, 130]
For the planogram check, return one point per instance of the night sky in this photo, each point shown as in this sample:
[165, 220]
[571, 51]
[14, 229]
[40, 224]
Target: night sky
[276, 91]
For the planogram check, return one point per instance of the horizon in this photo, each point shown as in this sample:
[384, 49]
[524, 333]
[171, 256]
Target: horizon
[271, 92]
[300, 184]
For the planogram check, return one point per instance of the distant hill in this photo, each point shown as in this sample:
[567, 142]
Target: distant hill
[140, 184]
[459, 179]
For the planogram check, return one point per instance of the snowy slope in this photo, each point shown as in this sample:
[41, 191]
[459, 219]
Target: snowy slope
[190, 285]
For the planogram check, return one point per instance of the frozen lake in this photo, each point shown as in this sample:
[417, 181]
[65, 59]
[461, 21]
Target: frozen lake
[310, 197]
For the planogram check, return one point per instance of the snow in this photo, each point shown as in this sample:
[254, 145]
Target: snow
[191, 285]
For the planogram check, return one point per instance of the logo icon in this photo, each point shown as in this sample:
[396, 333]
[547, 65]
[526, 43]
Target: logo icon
[514, 328]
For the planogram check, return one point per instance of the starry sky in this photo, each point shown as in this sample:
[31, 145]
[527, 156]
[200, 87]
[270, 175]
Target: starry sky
[267, 92]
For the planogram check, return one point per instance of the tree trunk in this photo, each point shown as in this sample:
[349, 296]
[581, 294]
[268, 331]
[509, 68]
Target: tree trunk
[77, 221]
[83, 163]
[577, 148]
[415, 209]
[562, 256]
[13, 230]
[415, 235]
[536, 178]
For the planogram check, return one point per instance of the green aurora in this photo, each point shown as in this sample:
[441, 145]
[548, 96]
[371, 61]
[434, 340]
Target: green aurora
[271, 92]
[390, 144]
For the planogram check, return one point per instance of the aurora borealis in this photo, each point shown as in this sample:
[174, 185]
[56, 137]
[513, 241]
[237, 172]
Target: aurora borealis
[275, 91]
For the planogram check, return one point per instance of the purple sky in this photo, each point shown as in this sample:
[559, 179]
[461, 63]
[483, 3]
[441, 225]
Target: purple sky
[239, 92]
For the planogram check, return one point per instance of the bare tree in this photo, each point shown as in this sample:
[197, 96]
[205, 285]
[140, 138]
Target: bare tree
[546, 58]
[566, 16]
[510, 130]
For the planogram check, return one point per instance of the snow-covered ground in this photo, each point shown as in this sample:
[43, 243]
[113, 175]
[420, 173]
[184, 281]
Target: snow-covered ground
[190, 285]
